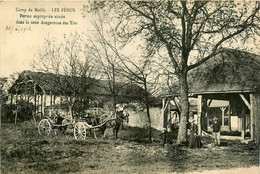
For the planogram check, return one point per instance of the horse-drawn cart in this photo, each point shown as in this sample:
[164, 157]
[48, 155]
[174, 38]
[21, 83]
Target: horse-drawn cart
[47, 124]
[82, 127]
[56, 119]
[112, 120]
[90, 122]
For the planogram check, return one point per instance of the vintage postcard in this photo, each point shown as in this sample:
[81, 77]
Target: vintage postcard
[130, 86]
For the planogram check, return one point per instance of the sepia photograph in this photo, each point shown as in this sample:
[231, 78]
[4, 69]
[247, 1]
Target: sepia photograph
[159, 86]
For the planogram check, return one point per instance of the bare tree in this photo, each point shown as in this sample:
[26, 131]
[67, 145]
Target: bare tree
[142, 74]
[116, 64]
[71, 66]
[106, 61]
[187, 33]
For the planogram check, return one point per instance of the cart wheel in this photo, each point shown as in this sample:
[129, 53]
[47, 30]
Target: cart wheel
[44, 127]
[80, 131]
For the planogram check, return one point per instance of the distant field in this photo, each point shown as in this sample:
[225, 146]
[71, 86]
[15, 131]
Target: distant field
[24, 151]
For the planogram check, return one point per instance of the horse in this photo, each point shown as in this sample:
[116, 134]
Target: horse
[114, 123]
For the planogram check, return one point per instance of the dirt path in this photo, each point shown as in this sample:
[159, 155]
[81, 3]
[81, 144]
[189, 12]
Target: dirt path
[250, 170]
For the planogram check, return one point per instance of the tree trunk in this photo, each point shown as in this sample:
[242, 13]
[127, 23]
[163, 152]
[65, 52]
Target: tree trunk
[182, 134]
[148, 110]
[114, 88]
[114, 102]
[149, 121]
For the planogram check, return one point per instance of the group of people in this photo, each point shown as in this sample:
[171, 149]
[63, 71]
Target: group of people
[194, 137]
[195, 140]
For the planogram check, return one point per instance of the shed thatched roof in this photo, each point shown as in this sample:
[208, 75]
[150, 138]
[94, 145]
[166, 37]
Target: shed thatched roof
[60, 84]
[232, 71]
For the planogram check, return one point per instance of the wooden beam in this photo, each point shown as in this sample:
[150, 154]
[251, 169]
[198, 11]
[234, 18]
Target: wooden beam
[176, 104]
[42, 105]
[163, 105]
[252, 121]
[223, 114]
[199, 105]
[245, 101]
[229, 117]
[166, 105]
[44, 102]
[50, 98]
[166, 114]
[210, 100]
[243, 118]
[256, 114]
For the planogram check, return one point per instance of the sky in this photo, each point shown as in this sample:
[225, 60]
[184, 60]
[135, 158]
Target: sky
[19, 43]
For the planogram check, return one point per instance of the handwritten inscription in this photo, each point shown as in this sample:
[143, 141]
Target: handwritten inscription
[29, 17]
[18, 29]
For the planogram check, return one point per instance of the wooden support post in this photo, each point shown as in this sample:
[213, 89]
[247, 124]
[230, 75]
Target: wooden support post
[252, 121]
[243, 119]
[204, 125]
[229, 117]
[50, 98]
[207, 120]
[243, 115]
[54, 99]
[199, 109]
[34, 93]
[163, 105]
[223, 114]
[256, 116]
[44, 103]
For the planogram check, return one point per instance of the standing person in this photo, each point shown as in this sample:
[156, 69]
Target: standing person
[216, 131]
[193, 129]
[195, 141]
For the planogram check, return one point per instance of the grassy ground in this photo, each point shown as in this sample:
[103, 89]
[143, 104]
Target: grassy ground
[24, 151]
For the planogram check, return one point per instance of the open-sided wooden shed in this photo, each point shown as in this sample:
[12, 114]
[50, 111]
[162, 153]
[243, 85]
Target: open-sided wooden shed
[47, 89]
[232, 76]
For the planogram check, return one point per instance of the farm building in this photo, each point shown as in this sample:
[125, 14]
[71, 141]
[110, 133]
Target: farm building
[228, 87]
[46, 90]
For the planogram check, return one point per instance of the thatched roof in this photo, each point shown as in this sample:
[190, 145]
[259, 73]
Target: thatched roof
[232, 71]
[47, 82]
[61, 84]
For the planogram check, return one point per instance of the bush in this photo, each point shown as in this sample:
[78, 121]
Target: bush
[8, 113]
[24, 112]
